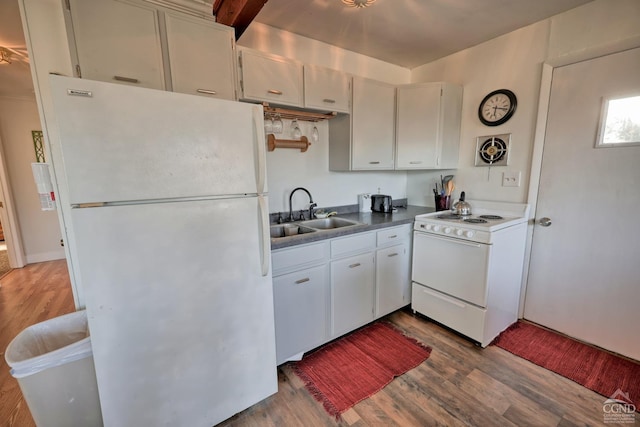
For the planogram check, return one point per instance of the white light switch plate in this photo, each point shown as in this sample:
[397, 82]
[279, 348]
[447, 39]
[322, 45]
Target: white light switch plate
[511, 179]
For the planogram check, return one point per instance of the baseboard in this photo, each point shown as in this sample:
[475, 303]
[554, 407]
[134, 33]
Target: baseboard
[45, 256]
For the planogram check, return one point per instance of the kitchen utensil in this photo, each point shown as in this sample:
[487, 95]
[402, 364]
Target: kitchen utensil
[381, 203]
[450, 188]
[315, 135]
[461, 207]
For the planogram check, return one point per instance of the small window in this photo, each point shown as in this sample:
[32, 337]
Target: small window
[620, 122]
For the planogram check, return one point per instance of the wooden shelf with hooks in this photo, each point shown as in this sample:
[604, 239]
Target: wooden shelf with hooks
[273, 143]
[289, 114]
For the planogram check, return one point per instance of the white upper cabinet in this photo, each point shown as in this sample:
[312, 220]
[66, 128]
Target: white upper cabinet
[270, 78]
[118, 41]
[327, 89]
[428, 126]
[140, 44]
[365, 140]
[201, 54]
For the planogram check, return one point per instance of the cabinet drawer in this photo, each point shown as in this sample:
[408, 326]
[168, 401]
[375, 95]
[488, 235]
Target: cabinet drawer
[393, 235]
[458, 315]
[352, 244]
[291, 259]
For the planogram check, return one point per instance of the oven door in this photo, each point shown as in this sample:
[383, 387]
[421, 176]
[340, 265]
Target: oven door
[452, 266]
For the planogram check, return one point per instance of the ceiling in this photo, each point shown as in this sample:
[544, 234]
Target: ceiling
[408, 33]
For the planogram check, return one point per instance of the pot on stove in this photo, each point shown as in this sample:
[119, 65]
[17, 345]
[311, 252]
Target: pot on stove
[461, 207]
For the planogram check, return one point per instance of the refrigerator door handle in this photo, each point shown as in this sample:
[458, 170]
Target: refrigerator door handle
[265, 236]
[258, 132]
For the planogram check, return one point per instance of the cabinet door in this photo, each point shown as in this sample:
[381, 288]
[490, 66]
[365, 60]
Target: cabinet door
[393, 284]
[271, 78]
[326, 89]
[300, 301]
[352, 296]
[418, 126]
[373, 119]
[118, 41]
[201, 55]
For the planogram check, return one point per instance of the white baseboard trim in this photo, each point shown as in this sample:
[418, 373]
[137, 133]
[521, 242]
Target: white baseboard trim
[45, 256]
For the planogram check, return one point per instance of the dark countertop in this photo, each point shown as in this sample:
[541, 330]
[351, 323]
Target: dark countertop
[370, 221]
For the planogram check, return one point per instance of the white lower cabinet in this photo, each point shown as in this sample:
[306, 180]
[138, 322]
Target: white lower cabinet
[326, 289]
[301, 307]
[393, 269]
[352, 292]
[393, 278]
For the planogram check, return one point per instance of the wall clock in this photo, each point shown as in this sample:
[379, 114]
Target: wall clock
[497, 107]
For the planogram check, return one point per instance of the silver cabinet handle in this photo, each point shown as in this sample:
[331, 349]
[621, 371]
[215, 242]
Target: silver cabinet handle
[207, 91]
[393, 237]
[357, 264]
[545, 222]
[306, 279]
[329, 101]
[374, 163]
[274, 92]
[417, 162]
[392, 255]
[126, 79]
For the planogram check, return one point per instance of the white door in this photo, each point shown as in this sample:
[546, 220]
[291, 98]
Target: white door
[126, 143]
[585, 266]
[180, 313]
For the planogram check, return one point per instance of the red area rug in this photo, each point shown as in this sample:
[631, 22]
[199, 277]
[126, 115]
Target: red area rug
[354, 367]
[595, 369]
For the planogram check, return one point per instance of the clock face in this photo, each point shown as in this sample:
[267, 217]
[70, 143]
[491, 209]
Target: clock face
[497, 107]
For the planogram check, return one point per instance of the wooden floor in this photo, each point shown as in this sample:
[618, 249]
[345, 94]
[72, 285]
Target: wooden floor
[27, 296]
[460, 383]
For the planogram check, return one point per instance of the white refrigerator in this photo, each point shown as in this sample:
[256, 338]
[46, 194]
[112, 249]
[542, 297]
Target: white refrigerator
[168, 219]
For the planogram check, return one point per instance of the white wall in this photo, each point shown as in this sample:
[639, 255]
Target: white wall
[40, 230]
[514, 61]
[278, 42]
[288, 168]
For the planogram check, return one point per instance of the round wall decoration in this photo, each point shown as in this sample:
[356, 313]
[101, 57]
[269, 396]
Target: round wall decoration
[497, 107]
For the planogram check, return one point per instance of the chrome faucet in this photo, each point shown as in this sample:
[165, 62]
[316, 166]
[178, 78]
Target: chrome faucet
[311, 203]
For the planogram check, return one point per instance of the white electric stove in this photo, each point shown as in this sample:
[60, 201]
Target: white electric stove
[467, 270]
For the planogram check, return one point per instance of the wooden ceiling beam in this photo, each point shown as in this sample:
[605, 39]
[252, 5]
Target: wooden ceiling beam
[237, 13]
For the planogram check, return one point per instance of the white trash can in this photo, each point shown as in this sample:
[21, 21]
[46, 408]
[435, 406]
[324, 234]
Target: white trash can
[53, 363]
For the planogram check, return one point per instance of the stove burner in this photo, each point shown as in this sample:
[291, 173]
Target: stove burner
[490, 217]
[475, 220]
[449, 216]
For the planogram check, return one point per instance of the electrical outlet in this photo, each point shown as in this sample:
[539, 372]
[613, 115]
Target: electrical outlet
[511, 179]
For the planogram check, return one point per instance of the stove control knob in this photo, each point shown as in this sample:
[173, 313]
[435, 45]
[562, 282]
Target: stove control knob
[469, 234]
[447, 230]
[436, 228]
[459, 232]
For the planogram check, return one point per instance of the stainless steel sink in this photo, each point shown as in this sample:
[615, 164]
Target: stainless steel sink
[287, 230]
[329, 223]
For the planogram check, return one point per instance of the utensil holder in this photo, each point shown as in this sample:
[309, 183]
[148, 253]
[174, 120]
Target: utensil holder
[443, 203]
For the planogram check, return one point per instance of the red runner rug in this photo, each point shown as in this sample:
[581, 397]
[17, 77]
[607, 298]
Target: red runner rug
[595, 369]
[356, 366]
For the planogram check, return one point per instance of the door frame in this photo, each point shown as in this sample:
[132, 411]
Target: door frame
[541, 130]
[12, 236]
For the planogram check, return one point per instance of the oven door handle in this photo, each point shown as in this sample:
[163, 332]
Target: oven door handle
[451, 240]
